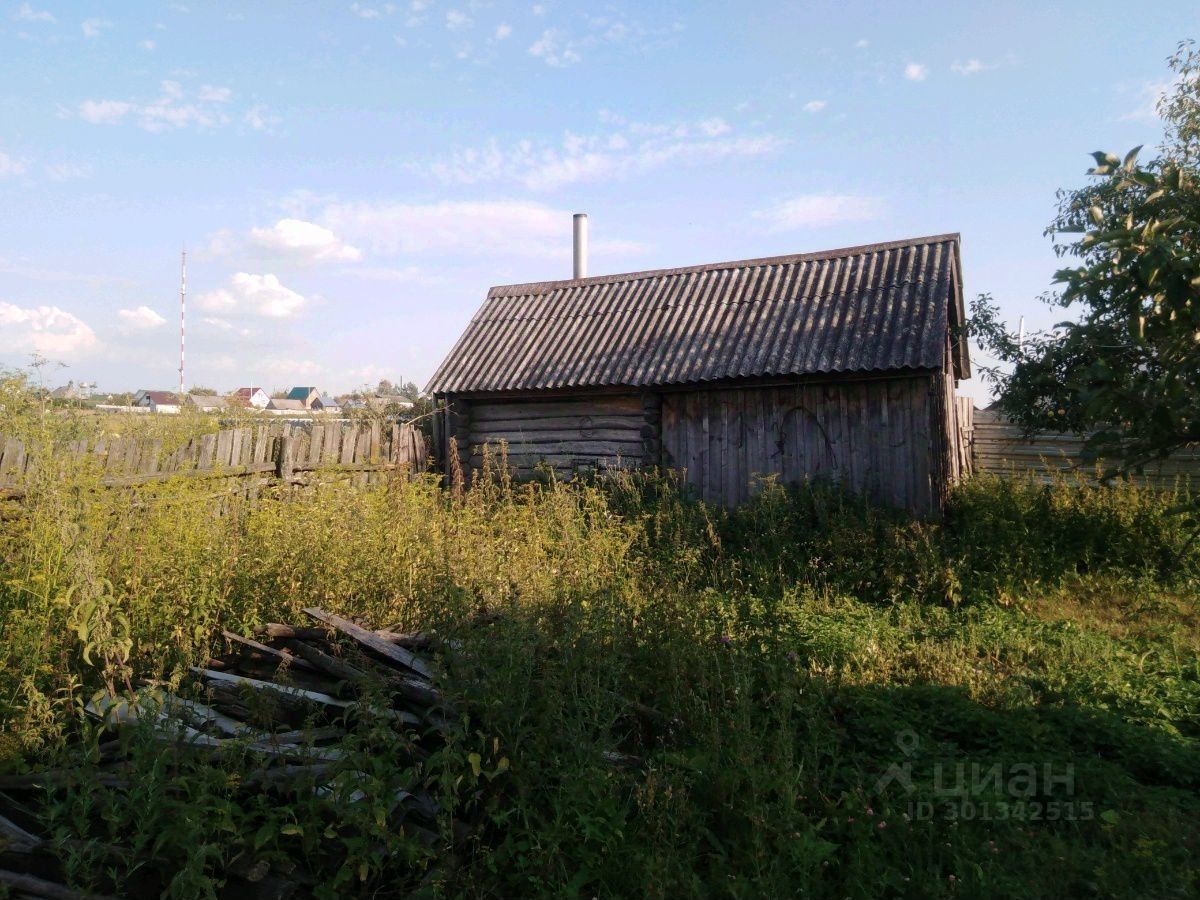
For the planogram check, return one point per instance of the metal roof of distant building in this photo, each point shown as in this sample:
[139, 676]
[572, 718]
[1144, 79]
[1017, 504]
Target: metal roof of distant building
[162, 398]
[301, 393]
[877, 307]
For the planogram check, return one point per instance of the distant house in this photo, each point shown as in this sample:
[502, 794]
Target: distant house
[206, 402]
[327, 404]
[157, 401]
[306, 395]
[281, 404]
[254, 397]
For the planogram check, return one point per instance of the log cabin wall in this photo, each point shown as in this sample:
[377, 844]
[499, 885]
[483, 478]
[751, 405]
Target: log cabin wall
[837, 364]
[877, 437]
[569, 434]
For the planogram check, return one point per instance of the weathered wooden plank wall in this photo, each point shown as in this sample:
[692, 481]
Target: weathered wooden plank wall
[568, 434]
[964, 421]
[875, 437]
[1001, 448]
[369, 451]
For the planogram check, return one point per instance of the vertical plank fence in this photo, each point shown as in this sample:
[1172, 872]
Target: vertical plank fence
[1001, 448]
[368, 452]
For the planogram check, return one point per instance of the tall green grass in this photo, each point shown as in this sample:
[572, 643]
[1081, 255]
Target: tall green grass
[691, 701]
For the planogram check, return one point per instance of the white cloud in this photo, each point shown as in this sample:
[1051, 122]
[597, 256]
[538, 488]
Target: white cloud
[26, 13]
[916, 71]
[103, 112]
[291, 370]
[462, 229]
[1149, 94]
[970, 67]
[862, 44]
[401, 275]
[820, 210]
[364, 12]
[172, 109]
[628, 148]
[10, 165]
[456, 19]
[260, 118]
[210, 94]
[142, 318]
[147, 44]
[814, 106]
[303, 240]
[93, 27]
[555, 48]
[503, 31]
[67, 171]
[47, 330]
[260, 295]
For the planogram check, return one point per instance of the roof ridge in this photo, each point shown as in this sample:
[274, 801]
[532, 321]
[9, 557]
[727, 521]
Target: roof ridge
[541, 287]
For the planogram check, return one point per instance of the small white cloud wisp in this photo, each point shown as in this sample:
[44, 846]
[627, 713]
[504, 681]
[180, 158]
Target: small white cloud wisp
[820, 211]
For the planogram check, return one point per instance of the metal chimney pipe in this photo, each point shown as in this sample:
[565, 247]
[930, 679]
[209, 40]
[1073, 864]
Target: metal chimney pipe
[581, 248]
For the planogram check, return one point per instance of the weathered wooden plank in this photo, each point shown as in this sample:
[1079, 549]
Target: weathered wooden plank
[285, 460]
[559, 423]
[372, 641]
[315, 446]
[287, 658]
[522, 409]
[286, 691]
[149, 462]
[624, 435]
[375, 450]
[207, 450]
[349, 442]
[262, 444]
[611, 449]
[31, 885]
[221, 455]
[333, 441]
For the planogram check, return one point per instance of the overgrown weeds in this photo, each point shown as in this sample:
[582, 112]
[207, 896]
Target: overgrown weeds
[689, 701]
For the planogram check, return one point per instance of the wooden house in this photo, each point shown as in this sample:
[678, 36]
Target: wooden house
[206, 403]
[157, 401]
[254, 397]
[307, 395]
[840, 365]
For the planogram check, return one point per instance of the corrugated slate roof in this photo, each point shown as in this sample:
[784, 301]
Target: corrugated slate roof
[873, 308]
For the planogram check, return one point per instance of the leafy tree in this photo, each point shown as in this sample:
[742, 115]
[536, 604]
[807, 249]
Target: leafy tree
[201, 391]
[1126, 372]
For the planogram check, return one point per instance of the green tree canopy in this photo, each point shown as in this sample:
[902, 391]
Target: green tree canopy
[1126, 371]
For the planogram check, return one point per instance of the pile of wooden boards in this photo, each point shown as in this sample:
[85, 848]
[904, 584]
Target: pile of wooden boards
[288, 697]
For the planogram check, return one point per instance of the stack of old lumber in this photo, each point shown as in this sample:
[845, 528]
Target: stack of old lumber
[287, 699]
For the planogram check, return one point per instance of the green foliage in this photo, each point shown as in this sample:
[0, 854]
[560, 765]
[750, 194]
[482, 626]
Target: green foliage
[666, 699]
[1126, 371]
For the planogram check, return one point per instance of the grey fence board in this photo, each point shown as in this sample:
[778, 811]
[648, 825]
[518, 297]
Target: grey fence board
[1001, 448]
[235, 452]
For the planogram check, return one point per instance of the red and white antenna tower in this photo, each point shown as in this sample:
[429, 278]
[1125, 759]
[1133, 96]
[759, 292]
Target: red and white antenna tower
[182, 312]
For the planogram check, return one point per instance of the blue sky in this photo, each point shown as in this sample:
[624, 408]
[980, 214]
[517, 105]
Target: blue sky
[349, 178]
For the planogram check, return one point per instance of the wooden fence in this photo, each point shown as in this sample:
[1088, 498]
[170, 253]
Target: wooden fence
[1001, 448]
[274, 451]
